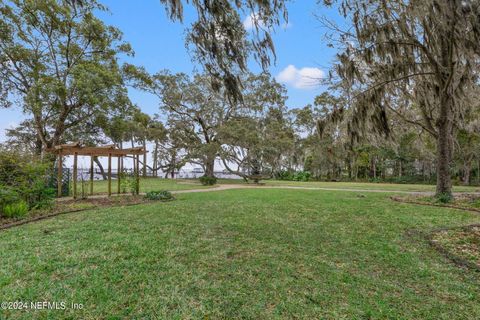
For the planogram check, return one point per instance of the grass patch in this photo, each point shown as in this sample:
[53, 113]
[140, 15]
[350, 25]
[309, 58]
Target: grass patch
[461, 244]
[66, 206]
[368, 186]
[257, 254]
[353, 185]
[464, 201]
[151, 184]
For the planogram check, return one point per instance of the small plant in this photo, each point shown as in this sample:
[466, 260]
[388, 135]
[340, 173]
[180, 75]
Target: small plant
[302, 176]
[84, 184]
[285, 175]
[444, 197]
[128, 182]
[8, 196]
[123, 182]
[208, 181]
[159, 195]
[476, 202]
[15, 210]
[44, 198]
[293, 176]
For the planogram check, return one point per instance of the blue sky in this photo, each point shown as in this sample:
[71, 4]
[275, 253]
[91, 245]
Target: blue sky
[159, 44]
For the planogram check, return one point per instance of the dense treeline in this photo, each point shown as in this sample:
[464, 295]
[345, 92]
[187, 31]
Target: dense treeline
[402, 110]
[262, 138]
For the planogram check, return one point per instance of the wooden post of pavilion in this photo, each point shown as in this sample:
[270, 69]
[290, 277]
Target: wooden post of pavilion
[134, 162]
[137, 177]
[91, 175]
[109, 174]
[119, 172]
[59, 176]
[75, 171]
[144, 173]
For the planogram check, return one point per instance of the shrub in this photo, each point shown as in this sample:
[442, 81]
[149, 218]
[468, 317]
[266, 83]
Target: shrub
[284, 175]
[159, 195]
[292, 175]
[15, 210]
[26, 178]
[128, 182]
[444, 198]
[8, 196]
[302, 176]
[84, 184]
[39, 195]
[208, 181]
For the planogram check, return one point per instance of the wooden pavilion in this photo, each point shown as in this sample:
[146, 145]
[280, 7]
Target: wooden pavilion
[75, 150]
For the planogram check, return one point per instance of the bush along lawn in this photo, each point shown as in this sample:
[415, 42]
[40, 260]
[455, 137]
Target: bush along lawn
[258, 254]
[24, 186]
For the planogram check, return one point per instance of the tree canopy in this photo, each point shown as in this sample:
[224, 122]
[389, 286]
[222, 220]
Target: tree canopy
[401, 104]
[412, 55]
[59, 63]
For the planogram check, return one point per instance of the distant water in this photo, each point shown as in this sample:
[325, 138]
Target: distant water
[84, 174]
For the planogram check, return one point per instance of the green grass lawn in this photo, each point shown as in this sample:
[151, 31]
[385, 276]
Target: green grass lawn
[368, 186]
[149, 184]
[156, 184]
[253, 254]
[355, 185]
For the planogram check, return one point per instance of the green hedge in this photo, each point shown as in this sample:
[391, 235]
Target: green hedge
[208, 181]
[23, 183]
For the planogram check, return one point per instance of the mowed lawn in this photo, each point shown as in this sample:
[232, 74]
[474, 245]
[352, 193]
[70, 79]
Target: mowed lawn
[368, 186]
[255, 254]
[147, 184]
[157, 184]
[353, 185]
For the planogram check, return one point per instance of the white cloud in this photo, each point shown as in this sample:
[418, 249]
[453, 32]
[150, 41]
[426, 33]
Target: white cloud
[249, 22]
[287, 25]
[304, 78]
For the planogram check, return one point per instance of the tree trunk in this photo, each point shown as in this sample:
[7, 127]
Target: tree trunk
[478, 172]
[99, 164]
[144, 171]
[466, 172]
[155, 160]
[38, 146]
[173, 164]
[210, 167]
[121, 158]
[423, 171]
[383, 171]
[373, 168]
[349, 168]
[444, 148]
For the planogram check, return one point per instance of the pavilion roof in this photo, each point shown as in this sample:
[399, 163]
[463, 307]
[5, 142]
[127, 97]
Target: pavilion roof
[101, 151]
